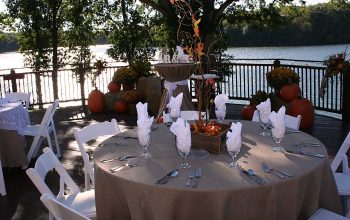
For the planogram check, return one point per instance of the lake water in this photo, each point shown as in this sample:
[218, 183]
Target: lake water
[317, 53]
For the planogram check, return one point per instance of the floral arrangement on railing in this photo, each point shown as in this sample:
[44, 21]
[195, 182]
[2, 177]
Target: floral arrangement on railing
[132, 96]
[280, 76]
[336, 64]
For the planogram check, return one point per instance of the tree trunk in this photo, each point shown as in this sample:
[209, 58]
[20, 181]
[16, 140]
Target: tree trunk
[54, 30]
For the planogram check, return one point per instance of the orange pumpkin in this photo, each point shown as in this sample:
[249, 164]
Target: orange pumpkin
[248, 112]
[304, 108]
[160, 120]
[120, 106]
[290, 92]
[114, 87]
[96, 101]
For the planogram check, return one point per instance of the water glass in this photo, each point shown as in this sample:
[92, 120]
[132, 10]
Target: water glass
[184, 163]
[264, 121]
[278, 139]
[220, 112]
[145, 148]
[233, 164]
[175, 114]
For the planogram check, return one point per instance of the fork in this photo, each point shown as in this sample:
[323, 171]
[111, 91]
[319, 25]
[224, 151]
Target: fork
[197, 175]
[189, 178]
[129, 164]
[121, 158]
[268, 169]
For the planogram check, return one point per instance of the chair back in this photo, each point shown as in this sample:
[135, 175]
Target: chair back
[50, 124]
[59, 210]
[48, 162]
[191, 115]
[91, 132]
[19, 96]
[256, 116]
[290, 121]
[341, 154]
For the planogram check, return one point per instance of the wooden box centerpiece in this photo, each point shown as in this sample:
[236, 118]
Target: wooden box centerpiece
[210, 136]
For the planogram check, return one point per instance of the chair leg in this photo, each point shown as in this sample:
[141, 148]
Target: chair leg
[2, 182]
[33, 148]
[58, 151]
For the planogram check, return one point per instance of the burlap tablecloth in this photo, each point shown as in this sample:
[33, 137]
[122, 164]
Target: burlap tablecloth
[13, 119]
[177, 72]
[222, 193]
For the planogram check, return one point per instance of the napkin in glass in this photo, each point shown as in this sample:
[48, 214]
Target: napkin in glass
[142, 111]
[278, 122]
[264, 109]
[175, 102]
[144, 130]
[183, 135]
[220, 100]
[234, 137]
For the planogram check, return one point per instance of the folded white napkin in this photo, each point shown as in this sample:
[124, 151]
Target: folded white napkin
[220, 100]
[264, 109]
[144, 130]
[175, 102]
[278, 123]
[142, 111]
[234, 138]
[183, 135]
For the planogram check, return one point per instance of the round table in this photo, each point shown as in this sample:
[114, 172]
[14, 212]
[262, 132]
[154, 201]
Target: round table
[222, 193]
[13, 119]
[176, 72]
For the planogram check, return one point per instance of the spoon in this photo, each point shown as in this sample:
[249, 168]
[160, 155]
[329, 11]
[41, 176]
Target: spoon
[173, 174]
[198, 174]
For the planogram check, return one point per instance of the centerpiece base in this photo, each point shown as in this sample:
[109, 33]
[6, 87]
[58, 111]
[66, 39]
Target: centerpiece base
[210, 136]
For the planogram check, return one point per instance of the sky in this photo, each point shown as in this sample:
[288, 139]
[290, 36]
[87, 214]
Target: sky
[308, 2]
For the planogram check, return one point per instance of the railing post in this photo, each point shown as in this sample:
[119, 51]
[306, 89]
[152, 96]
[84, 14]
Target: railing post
[346, 98]
[276, 63]
[81, 72]
[38, 89]
[12, 77]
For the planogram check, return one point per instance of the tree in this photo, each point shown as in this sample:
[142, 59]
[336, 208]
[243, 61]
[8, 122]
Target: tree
[45, 27]
[129, 30]
[213, 12]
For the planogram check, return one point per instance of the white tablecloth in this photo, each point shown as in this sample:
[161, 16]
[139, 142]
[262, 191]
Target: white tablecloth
[13, 116]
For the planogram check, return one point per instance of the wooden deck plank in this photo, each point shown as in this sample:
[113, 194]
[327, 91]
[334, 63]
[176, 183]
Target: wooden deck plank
[22, 201]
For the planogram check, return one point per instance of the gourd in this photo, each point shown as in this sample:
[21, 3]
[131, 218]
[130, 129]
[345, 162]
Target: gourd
[120, 106]
[96, 101]
[290, 92]
[304, 108]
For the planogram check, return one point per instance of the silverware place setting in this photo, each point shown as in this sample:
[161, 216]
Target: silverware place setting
[303, 152]
[251, 175]
[128, 165]
[167, 177]
[121, 158]
[308, 144]
[197, 176]
[280, 173]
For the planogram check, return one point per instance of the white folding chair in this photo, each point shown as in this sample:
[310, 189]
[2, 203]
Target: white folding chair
[89, 133]
[2, 182]
[82, 202]
[166, 117]
[291, 121]
[323, 214]
[19, 96]
[59, 210]
[343, 179]
[43, 130]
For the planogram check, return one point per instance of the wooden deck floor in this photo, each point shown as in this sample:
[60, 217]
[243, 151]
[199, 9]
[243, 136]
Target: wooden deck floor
[22, 200]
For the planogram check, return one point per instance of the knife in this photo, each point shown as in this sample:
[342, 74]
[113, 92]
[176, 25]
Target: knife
[254, 177]
[307, 153]
[162, 180]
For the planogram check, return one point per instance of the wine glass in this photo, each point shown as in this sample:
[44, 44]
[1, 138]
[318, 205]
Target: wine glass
[183, 154]
[264, 120]
[233, 164]
[145, 147]
[278, 137]
[175, 114]
[220, 112]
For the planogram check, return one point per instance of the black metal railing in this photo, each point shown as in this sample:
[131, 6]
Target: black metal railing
[243, 80]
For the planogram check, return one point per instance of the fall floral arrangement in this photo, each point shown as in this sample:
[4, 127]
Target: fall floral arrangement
[125, 75]
[280, 76]
[335, 65]
[132, 96]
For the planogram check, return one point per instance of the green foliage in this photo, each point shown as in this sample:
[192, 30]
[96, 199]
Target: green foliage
[130, 33]
[280, 76]
[125, 75]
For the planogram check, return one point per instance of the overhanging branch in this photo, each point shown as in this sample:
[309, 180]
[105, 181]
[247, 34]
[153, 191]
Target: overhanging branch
[222, 8]
[156, 6]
